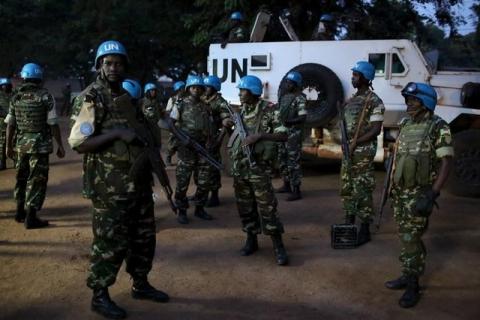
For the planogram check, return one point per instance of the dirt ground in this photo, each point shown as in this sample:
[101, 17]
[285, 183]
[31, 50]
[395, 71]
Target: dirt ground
[43, 272]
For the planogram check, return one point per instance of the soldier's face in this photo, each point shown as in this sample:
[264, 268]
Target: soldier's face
[153, 93]
[246, 96]
[414, 106]
[290, 85]
[356, 79]
[195, 91]
[209, 91]
[113, 67]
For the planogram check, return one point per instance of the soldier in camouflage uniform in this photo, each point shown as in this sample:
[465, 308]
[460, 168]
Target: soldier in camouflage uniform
[32, 120]
[218, 108]
[179, 93]
[256, 202]
[238, 32]
[292, 115]
[364, 117]
[191, 115]
[5, 94]
[154, 110]
[123, 218]
[423, 159]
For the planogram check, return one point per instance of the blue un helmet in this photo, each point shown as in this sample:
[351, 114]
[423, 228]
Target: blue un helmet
[5, 82]
[31, 71]
[178, 85]
[423, 92]
[365, 68]
[237, 15]
[110, 47]
[133, 88]
[252, 84]
[149, 86]
[213, 81]
[194, 81]
[326, 17]
[295, 77]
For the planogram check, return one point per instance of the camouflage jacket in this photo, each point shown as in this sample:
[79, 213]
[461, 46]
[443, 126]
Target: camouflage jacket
[419, 148]
[4, 106]
[193, 118]
[106, 172]
[32, 106]
[291, 106]
[218, 108]
[153, 109]
[238, 34]
[265, 117]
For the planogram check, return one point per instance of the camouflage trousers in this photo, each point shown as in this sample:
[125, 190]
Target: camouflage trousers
[189, 161]
[123, 229]
[289, 154]
[256, 203]
[357, 182]
[411, 227]
[32, 178]
[215, 176]
[172, 145]
[3, 141]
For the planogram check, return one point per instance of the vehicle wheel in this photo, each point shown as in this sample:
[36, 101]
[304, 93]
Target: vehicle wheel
[322, 88]
[464, 178]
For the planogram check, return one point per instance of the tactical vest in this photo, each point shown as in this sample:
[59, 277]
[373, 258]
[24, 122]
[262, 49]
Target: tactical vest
[413, 166]
[286, 111]
[352, 115]
[31, 109]
[194, 119]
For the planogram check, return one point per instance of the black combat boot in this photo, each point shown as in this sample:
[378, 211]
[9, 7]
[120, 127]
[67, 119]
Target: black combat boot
[296, 194]
[400, 283]
[363, 234]
[141, 289]
[202, 214]
[279, 249]
[213, 201]
[412, 294]
[350, 219]
[285, 188]
[32, 221]
[182, 216]
[20, 214]
[102, 304]
[251, 245]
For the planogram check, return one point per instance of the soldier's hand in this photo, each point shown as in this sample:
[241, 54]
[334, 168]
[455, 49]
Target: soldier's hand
[127, 135]
[227, 123]
[351, 147]
[9, 152]
[252, 139]
[60, 152]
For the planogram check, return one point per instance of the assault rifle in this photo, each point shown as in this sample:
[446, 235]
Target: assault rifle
[241, 132]
[150, 159]
[190, 143]
[386, 187]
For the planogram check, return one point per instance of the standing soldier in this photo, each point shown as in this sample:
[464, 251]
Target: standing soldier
[32, 119]
[325, 29]
[191, 115]
[292, 115]
[218, 108]
[123, 217]
[154, 110]
[423, 159]
[251, 167]
[238, 32]
[178, 94]
[5, 93]
[363, 116]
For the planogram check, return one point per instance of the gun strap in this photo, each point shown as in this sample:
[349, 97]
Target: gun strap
[259, 120]
[362, 117]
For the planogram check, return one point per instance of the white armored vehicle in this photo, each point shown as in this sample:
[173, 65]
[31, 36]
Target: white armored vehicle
[325, 68]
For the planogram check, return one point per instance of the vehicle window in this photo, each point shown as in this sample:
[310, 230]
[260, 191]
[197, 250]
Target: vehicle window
[397, 65]
[378, 61]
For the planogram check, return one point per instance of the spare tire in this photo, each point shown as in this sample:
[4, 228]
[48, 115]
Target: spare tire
[464, 179]
[470, 95]
[323, 90]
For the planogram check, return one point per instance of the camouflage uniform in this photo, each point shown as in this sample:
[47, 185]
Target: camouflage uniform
[357, 178]
[4, 106]
[289, 152]
[123, 217]
[32, 112]
[238, 34]
[172, 144]
[153, 110]
[218, 108]
[193, 118]
[430, 139]
[256, 201]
